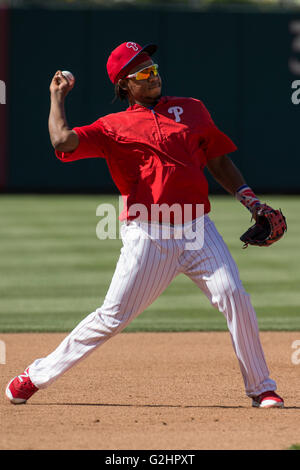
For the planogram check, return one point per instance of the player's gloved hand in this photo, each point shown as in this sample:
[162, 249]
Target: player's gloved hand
[60, 85]
[270, 225]
[255, 211]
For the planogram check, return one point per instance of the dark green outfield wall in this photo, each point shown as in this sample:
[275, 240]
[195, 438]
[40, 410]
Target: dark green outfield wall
[240, 65]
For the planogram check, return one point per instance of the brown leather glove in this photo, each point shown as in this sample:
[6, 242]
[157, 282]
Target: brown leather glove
[269, 227]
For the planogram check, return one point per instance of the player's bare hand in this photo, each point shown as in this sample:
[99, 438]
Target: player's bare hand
[60, 85]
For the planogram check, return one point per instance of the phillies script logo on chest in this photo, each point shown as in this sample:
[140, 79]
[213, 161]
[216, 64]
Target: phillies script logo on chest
[177, 111]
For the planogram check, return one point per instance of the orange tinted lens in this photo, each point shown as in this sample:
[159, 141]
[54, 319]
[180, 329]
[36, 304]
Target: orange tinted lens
[144, 74]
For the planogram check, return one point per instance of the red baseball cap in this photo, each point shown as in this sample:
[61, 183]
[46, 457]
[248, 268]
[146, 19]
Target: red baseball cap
[127, 56]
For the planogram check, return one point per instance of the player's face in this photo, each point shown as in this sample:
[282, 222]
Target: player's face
[143, 91]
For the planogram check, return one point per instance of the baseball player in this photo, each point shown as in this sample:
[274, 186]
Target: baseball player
[156, 152]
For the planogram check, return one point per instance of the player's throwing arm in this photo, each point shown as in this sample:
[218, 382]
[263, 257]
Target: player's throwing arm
[62, 137]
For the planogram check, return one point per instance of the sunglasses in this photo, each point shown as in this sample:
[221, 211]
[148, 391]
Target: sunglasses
[145, 73]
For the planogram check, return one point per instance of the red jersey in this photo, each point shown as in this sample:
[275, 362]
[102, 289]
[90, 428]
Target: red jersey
[156, 155]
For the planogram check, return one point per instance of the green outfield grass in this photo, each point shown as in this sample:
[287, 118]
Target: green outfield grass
[294, 447]
[54, 270]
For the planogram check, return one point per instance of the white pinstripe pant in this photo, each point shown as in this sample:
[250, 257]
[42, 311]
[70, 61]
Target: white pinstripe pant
[145, 268]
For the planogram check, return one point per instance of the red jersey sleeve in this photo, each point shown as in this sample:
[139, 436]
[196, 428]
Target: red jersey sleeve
[92, 143]
[216, 143]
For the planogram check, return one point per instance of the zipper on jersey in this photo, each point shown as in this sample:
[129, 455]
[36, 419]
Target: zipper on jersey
[160, 137]
[156, 123]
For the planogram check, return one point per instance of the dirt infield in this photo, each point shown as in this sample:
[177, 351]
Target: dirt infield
[151, 391]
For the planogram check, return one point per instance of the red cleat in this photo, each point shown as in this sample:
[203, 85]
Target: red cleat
[268, 400]
[20, 389]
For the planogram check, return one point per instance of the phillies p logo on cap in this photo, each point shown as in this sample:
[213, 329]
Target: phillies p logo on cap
[126, 56]
[133, 45]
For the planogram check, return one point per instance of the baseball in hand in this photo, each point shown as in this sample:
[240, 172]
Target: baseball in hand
[69, 76]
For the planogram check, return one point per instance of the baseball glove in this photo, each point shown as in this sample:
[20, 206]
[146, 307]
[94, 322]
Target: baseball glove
[269, 227]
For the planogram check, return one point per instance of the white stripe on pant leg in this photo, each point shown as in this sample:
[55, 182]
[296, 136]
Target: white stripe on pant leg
[225, 291]
[246, 333]
[156, 270]
[132, 293]
[160, 269]
[215, 282]
[89, 334]
[166, 272]
[203, 268]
